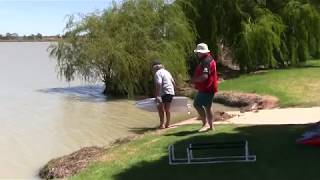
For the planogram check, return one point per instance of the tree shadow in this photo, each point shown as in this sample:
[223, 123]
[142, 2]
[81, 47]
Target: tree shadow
[278, 157]
[182, 133]
[308, 66]
[142, 130]
[91, 93]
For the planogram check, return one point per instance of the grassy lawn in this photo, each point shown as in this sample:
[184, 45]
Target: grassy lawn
[294, 86]
[278, 157]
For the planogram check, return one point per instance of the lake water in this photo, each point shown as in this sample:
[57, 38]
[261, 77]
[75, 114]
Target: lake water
[42, 117]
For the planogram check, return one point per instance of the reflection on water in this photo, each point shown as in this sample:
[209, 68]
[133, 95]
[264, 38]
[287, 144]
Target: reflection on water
[82, 93]
[40, 126]
[42, 117]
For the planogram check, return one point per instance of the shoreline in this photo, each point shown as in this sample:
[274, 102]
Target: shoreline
[68, 165]
[262, 117]
[44, 40]
[73, 163]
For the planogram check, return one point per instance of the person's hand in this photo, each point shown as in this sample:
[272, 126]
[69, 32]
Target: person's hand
[158, 99]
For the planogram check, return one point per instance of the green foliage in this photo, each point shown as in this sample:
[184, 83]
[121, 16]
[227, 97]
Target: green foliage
[268, 33]
[214, 19]
[303, 30]
[257, 42]
[119, 45]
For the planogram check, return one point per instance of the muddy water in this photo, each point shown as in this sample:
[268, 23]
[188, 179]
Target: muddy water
[42, 117]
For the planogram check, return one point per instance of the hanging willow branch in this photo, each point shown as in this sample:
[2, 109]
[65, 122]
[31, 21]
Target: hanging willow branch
[118, 45]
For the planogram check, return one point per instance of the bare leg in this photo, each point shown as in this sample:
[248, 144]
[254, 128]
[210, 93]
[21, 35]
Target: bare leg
[161, 115]
[209, 115]
[167, 109]
[202, 114]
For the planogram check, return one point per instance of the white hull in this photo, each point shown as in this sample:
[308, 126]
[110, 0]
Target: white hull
[179, 104]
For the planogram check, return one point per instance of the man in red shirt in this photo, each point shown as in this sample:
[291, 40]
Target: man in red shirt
[206, 82]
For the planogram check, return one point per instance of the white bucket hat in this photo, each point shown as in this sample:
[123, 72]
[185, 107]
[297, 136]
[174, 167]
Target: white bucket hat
[202, 48]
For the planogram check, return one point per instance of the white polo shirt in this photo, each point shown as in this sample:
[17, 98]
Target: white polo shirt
[164, 78]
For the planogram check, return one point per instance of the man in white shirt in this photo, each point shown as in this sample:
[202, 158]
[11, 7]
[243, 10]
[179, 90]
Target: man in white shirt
[164, 92]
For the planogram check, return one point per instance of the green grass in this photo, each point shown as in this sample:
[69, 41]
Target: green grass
[293, 87]
[278, 157]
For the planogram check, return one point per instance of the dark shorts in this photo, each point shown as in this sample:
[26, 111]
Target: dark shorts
[167, 98]
[203, 99]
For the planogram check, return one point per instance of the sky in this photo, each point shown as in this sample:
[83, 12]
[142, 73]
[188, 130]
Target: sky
[47, 17]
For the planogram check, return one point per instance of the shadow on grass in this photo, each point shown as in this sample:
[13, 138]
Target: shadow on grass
[308, 66]
[142, 130]
[182, 133]
[278, 157]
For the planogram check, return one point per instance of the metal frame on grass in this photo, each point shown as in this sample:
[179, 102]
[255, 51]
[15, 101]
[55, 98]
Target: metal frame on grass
[191, 159]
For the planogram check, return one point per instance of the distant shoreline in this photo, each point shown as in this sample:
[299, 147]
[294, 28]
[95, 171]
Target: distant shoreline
[39, 40]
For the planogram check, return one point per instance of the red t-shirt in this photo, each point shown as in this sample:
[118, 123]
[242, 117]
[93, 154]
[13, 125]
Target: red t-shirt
[207, 66]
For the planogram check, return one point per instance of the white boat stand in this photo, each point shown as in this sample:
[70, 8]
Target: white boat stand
[191, 159]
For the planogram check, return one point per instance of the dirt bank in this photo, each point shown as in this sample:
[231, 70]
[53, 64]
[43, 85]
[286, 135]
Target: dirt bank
[73, 163]
[70, 164]
[246, 101]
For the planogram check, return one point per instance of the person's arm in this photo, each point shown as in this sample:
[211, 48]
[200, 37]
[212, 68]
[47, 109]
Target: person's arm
[201, 78]
[158, 82]
[205, 73]
[157, 92]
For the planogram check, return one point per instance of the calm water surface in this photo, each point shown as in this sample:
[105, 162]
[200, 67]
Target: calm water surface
[42, 117]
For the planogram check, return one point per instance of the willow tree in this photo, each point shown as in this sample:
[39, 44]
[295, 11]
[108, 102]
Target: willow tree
[118, 45]
[260, 33]
[303, 30]
[214, 19]
[258, 41]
